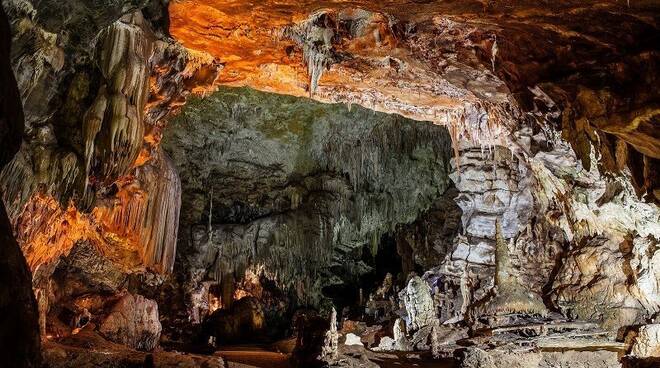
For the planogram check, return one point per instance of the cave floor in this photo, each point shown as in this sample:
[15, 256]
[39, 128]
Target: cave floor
[244, 356]
[261, 356]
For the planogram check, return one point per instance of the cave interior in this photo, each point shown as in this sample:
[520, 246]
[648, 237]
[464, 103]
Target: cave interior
[330, 183]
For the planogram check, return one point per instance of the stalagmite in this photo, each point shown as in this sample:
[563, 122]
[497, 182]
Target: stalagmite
[509, 294]
[419, 303]
[493, 52]
[435, 343]
[330, 350]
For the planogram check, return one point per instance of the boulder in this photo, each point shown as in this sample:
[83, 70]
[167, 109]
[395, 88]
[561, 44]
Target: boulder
[353, 339]
[240, 323]
[133, 321]
[647, 342]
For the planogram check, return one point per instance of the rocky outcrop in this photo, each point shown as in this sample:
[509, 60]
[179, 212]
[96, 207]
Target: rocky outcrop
[647, 342]
[133, 321]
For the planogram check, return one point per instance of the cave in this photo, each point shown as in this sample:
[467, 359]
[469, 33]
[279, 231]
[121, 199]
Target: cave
[403, 183]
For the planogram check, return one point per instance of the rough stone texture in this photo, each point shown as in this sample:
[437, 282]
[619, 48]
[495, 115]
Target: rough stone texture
[647, 342]
[478, 358]
[419, 303]
[303, 189]
[19, 331]
[133, 321]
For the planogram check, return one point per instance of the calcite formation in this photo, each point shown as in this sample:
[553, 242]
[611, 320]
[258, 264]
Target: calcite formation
[509, 295]
[647, 342]
[226, 163]
[419, 303]
[113, 127]
[300, 194]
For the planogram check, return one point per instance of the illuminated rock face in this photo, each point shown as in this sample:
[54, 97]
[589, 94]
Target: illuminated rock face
[443, 61]
[549, 110]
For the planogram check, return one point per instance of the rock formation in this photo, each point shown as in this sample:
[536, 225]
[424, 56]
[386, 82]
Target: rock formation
[133, 321]
[19, 331]
[193, 171]
[330, 350]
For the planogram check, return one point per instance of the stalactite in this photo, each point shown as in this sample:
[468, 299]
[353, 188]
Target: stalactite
[493, 52]
[147, 212]
[363, 176]
[113, 127]
[161, 220]
[316, 43]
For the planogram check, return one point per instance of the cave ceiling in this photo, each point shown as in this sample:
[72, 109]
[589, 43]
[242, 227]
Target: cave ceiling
[468, 64]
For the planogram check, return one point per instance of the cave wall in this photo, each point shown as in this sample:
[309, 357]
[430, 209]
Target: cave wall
[550, 116]
[92, 199]
[297, 189]
[19, 332]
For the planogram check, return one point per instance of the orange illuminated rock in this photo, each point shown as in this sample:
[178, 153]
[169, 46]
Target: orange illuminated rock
[479, 67]
[335, 52]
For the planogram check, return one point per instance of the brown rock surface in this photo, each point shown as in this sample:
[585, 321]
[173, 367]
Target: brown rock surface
[133, 321]
[19, 331]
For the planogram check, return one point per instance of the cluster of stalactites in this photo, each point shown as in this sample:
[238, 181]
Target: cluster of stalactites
[292, 250]
[315, 38]
[298, 247]
[146, 211]
[113, 127]
[478, 124]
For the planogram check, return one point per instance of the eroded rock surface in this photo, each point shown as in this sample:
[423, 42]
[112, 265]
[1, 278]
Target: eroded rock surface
[647, 342]
[133, 321]
[302, 189]
[548, 109]
[19, 332]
